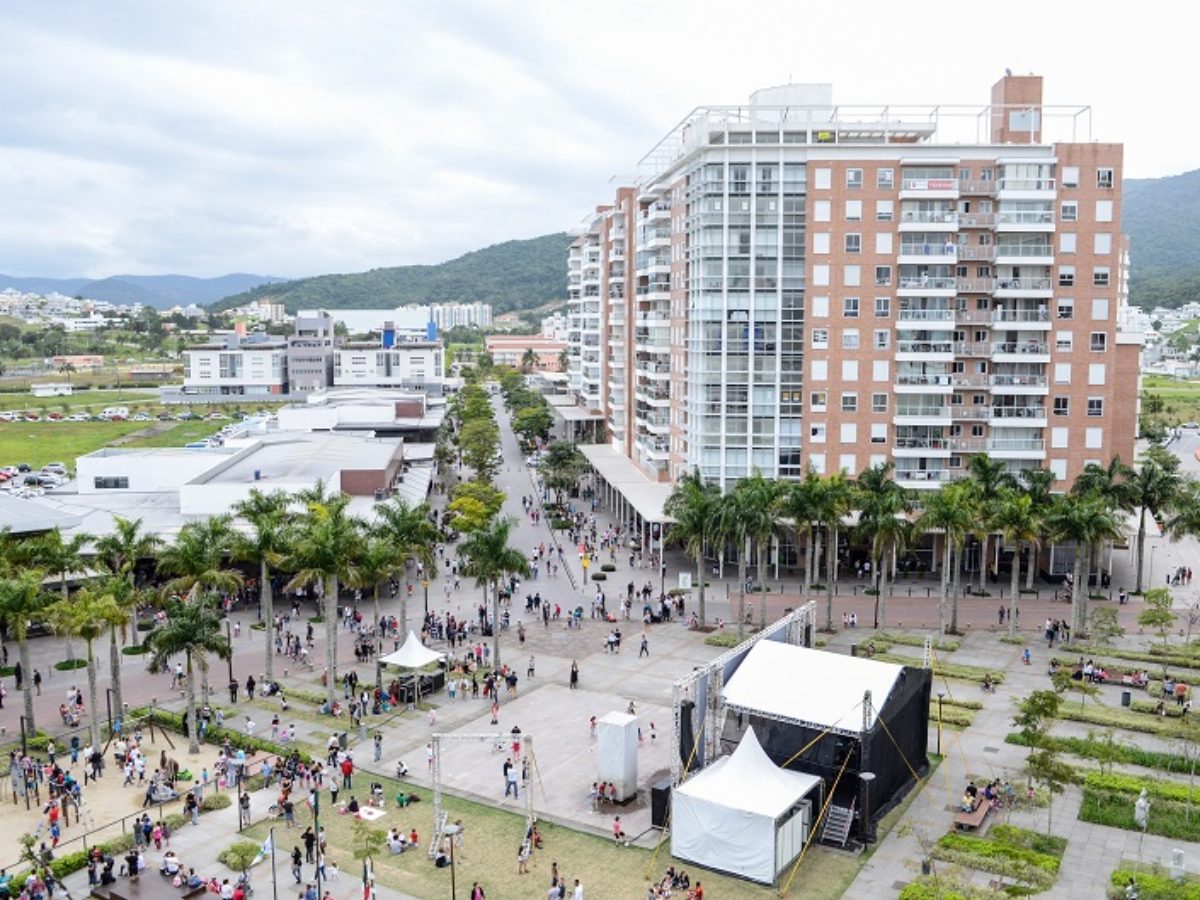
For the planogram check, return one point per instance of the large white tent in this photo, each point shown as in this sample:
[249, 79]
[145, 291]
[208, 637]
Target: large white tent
[413, 655]
[743, 814]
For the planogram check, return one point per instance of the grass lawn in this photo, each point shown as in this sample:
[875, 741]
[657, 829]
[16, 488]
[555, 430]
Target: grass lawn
[96, 399]
[1181, 399]
[38, 443]
[178, 434]
[491, 840]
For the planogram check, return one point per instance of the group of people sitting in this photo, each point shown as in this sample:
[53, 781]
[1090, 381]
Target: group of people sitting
[995, 794]
[674, 884]
[398, 841]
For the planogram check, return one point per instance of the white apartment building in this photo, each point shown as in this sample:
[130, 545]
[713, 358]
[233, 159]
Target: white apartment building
[249, 368]
[406, 364]
[793, 283]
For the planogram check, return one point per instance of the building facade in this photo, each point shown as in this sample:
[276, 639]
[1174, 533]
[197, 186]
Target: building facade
[254, 368]
[310, 350]
[510, 350]
[793, 284]
[415, 364]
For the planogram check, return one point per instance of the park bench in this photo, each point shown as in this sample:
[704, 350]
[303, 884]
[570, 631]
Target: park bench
[144, 888]
[965, 821]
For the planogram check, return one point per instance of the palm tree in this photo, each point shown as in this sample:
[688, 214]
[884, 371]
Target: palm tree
[489, 559]
[948, 510]
[989, 478]
[381, 560]
[1086, 520]
[193, 629]
[324, 553]
[87, 615]
[1184, 515]
[1152, 487]
[758, 503]
[22, 599]
[883, 521]
[197, 560]
[730, 527]
[119, 553]
[528, 360]
[1017, 520]
[798, 505]
[833, 501]
[693, 505]
[266, 544]
[1037, 484]
[413, 533]
[1111, 484]
[61, 558]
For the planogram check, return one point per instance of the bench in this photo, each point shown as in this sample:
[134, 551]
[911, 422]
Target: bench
[144, 887]
[965, 821]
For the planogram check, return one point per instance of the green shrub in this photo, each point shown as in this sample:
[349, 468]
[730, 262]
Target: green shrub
[1133, 785]
[135, 650]
[1154, 883]
[608, 567]
[951, 715]
[1111, 718]
[7, 671]
[1150, 707]
[145, 626]
[184, 775]
[1129, 754]
[948, 670]
[598, 576]
[1168, 818]
[1012, 639]
[1157, 656]
[214, 802]
[1008, 852]
[916, 640]
[560, 525]
[236, 853]
[316, 620]
[70, 665]
[237, 739]
[258, 626]
[722, 639]
[69, 863]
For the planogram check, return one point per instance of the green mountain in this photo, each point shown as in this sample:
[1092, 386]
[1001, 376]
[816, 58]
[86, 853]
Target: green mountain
[159, 291]
[512, 275]
[1162, 217]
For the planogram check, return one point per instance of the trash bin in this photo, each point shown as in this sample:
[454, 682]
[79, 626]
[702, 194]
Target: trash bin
[854, 649]
[1126, 698]
[343, 740]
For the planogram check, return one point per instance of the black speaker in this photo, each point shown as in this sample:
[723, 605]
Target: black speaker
[660, 803]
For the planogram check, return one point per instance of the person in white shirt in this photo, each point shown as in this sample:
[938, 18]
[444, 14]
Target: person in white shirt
[578, 895]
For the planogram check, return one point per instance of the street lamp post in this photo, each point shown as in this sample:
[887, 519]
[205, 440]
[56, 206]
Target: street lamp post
[867, 778]
[425, 585]
[941, 694]
[451, 831]
[1150, 578]
[232, 683]
[316, 800]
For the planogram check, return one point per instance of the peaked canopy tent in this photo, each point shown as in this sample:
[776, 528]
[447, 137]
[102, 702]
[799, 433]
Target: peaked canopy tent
[744, 815]
[795, 698]
[414, 656]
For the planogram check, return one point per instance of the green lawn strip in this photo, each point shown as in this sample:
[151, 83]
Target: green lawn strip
[917, 640]
[492, 837]
[951, 715]
[38, 443]
[1169, 818]
[1160, 658]
[1005, 850]
[949, 887]
[1154, 882]
[77, 401]
[949, 670]
[1127, 754]
[177, 434]
[1111, 718]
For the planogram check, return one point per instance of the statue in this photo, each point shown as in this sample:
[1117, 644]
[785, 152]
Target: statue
[1141, 810]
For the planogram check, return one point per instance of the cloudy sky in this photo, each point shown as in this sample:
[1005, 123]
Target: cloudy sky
[302, 137]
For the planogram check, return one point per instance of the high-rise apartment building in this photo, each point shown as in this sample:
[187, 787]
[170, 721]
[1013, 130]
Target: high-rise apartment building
[793, 283]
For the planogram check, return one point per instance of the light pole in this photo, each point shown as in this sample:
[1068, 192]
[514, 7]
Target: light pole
[425, 585]
[867, 778]
[941, 694]
[451, 831]
[1150, 578]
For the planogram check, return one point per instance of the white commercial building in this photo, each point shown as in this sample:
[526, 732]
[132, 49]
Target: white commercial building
[406, 364]
[250, 368]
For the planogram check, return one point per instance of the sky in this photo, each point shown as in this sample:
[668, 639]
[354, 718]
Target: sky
[300, 137]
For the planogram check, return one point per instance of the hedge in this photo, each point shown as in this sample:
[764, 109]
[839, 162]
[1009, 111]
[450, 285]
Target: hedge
[722, 639]
[1008, 852]
[135, 650]
[70, 665]
[1132, 785]
[1168, 818]
[1127, 754]
[213, 802]
[951, 715]
[598, 576]
[1111, 718]
[1160, 658]
[145, 626]
[608, 567]
[916, 640]
[1154, 884]
[69, 863]
[949, 670]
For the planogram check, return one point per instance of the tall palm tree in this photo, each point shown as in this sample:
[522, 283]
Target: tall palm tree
[1152, 488]
[1038, 485]
[989, 478]
[730, 527]
[412, 531]
[193, 629]
[883, 522]
[1183, 519]
[1109, 483]
[381, 560]
[758, 501]
[87, 615]
[324, 553]
[198, 560]
[119, 553]
[833, 501]
[693, 506]
[22, 599]
[1016, 519]
[61, 557]
[799, 505]
[266, 544]
[947, 510]
[1086, 520]
[489, 559]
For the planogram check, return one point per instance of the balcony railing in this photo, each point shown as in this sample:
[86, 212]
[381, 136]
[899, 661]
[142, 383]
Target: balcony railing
[1020, 315]
[924, 380]
[1026, 184]
[1034, 445]
[987, 188]
[1035, 381]
[925, 248]
[982, 254]
[934, 475]
[975, 285]
[1026, 217]
[935, 282]
[1023, 284]
[926, 315]
[970, 380]
[928, 184]
[922, 411]
[1021, 347]
[949, 217]
[923, 443]
[1024, 250]
[924, 346]
[972, 348]
[1018, 412]
[976, 220]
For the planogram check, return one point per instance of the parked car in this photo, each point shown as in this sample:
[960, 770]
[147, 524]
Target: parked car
[24, 467]
[79, 417]
[55, 467]
[8, 416]
[164, 417]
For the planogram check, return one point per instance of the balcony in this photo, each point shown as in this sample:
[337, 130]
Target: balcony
[925, 252]
[925, 350]
[982, 188]
[917, 285]
[921, 415]
[1019, 416]
[1021, 316]
[1025, 220]
[976, 220]
[924, 316]
[963, 412]
[922, 478]
[973, 316]
[909, 447]
[970, 380]
[1017, 447]
[1021, 351]
[1020, 384]
[983, 253]
[972, 348]
[1026, 185]
[1020, 254]
[975, 285]
[929, 220]
[928, 189]
[1024, 287]
[923, 383]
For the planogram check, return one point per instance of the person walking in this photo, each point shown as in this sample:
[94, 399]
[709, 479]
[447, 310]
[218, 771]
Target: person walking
[310, 841]
[645, 651]
[296, 865]
[378, 741]
[574, 675]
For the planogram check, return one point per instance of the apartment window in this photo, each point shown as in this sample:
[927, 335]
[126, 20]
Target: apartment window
[1095, 407]
[883, 305]
[885, 179]
[1104, 178]
[854, 178]
[853, 243]
[817, 401]
[1070, 176]
[851, 276]
[816, 433]
[1096, 373]
[820, 276]
[821, 242]
[883, 210]
[1064, 341]
[976, 431]
[1093, 438]
[849, 433]
[850, 307]
[1066, 276]
[1099, 341]
[822, 179]
[879, 370]
[1066, 242]
[879, 404]
[1062, 406]
[850, 402]
[820, 338]
[882, 338]
[883, 278]
[111, 482]
[1069, 211]
[1066, 308]
[849, 338]
[853, 210]
[1062, 373]
[1104, 210]
[822, 210]
[849, 370]
[1100, 276]
[1058, 439]
[1100, 309]
[1102, 244]
[820, 370]
[883, 243]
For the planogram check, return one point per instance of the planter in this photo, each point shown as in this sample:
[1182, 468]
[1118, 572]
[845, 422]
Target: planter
[599, 576]
[145, 626]
[316, 620]
[70, 665]
[136, 650]
[608, 567]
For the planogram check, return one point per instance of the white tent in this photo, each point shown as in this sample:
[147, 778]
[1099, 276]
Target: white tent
[413, 655]
[743, 814]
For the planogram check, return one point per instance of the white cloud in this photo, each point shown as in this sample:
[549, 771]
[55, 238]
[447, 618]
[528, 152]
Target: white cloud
[295, 137]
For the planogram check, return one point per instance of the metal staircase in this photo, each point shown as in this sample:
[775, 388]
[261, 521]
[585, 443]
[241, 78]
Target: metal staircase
[838, 821]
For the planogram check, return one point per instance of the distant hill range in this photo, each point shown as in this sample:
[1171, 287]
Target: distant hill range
[1162, 216]
[510, 276]
[159, 291]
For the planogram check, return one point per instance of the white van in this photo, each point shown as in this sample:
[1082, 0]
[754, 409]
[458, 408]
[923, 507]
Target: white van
[113, 411]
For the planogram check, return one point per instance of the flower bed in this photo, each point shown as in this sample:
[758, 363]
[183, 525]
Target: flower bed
[1153, 882]
[1007, 851]
[1109, 800]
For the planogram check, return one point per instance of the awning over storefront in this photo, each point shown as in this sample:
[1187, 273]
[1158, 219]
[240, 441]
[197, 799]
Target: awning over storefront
[645, 496]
